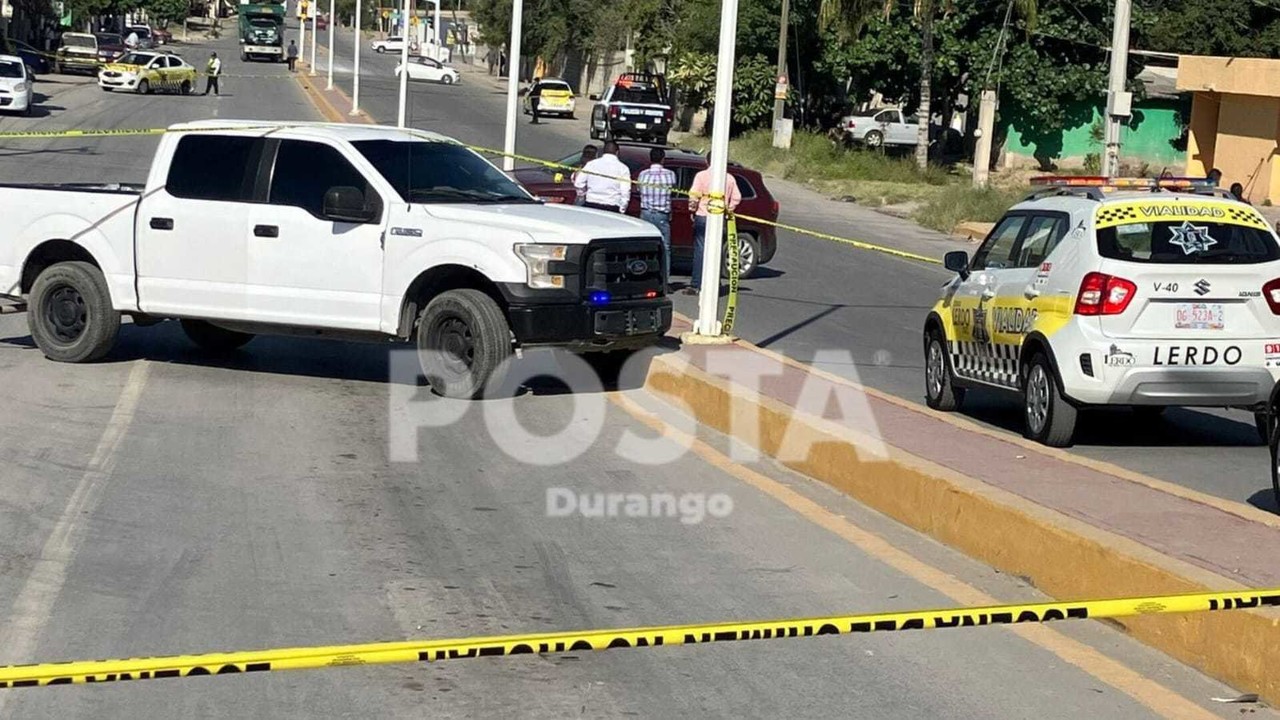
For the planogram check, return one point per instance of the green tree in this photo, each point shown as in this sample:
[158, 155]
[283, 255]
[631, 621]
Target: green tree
[1234, 28]
[166, 11]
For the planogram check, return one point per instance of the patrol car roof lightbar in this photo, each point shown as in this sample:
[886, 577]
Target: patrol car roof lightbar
[1094, 187]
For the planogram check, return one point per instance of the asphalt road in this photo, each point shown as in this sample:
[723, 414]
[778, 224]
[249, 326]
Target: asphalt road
[816, 295]
[164, 502]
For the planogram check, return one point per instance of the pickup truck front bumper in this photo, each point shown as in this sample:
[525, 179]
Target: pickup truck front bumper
[584, 326]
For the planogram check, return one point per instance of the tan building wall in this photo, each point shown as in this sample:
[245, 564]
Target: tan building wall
[1235, 121]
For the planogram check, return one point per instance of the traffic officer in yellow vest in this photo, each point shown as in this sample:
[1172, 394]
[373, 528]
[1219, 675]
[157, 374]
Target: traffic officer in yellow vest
[213, 69]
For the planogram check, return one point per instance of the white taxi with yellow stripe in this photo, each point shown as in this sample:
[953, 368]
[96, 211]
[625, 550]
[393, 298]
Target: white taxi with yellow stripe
[147, 72]
[555, 97]
[1104, 292]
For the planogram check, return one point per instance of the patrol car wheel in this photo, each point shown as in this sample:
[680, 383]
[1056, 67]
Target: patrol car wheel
[186, 87]
[144, 88]
[1265, 422]
[939, 391]
[1049, 418]
[1275, 466]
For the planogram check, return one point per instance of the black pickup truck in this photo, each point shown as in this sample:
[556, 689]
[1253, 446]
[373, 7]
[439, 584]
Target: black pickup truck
[635, 107]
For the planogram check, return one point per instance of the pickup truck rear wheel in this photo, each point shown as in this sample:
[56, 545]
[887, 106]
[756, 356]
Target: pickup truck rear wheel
[70, 313]
[213, 338]
[463, 339]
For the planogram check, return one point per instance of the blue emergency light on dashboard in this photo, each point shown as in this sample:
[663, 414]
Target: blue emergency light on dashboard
[600, 297]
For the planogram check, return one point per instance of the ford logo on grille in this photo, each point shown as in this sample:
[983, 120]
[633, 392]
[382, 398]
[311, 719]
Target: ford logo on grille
[637, 267]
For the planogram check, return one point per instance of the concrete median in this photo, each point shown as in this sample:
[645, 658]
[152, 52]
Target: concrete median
[1072, 529]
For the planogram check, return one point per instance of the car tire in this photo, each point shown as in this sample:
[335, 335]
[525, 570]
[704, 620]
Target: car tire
[1265, 423]
[594, 133]
[463, 339]
[144, 87]
[874, 140]
[940, 391]
[447, 79]
[106, 89]
[1049, 418]
[28, 109]
[70, 314]
[212, 338]
[749, 261]
[1274, 444]
[186, 87]
[380, 49]
[660, 140]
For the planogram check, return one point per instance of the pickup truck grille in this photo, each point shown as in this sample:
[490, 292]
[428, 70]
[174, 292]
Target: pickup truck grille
[624, 268]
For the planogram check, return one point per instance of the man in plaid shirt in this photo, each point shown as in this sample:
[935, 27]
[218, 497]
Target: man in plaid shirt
[656, 183]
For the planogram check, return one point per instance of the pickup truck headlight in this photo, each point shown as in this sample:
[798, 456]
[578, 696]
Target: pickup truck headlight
[538, 258]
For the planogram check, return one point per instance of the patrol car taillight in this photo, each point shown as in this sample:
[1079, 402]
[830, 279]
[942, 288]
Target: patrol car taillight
[1102, 294]
[1271, 291]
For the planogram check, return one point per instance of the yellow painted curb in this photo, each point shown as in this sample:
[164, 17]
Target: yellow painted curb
[1061, 556]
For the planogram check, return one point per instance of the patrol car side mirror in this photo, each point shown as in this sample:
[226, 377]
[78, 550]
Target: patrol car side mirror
[957, 261]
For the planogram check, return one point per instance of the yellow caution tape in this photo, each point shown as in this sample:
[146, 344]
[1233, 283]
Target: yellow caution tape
[735, 269]
[229, 663]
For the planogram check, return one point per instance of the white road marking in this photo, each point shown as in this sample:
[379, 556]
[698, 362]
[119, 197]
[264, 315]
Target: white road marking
[32, 609]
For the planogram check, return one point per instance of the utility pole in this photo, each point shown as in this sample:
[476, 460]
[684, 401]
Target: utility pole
[355, 73]
[779, 103]
[404, 66]
[708, 325]
[513, 86]
[1119, 102]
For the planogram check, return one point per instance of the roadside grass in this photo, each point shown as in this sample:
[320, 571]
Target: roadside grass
[964, 203]
[937, 198]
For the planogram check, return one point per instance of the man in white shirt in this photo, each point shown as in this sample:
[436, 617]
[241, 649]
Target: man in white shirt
[605, 183]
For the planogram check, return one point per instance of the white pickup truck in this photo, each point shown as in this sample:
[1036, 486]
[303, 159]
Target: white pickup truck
[363, 232]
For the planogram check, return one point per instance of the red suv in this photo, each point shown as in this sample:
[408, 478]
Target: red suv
[757, 242]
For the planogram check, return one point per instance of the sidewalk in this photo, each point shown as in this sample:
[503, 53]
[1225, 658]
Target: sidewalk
[1074, 528]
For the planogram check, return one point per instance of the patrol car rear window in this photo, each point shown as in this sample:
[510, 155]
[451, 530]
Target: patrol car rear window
[644, 95]
[1187, 243]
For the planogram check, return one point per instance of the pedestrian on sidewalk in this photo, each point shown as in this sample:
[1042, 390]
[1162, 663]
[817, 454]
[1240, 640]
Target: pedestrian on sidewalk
[656, 183]
[491, 58]
[213, 69]
[605, 183]
[700, 205]
[292, 54]
[535, 97]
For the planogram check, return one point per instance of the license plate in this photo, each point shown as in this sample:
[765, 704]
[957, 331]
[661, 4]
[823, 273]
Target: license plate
[628, 322]
[642, 126]
[1200, 316]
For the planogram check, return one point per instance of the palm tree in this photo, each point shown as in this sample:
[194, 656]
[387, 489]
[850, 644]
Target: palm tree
[850, 16]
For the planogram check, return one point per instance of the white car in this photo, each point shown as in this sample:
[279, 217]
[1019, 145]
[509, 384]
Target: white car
[1095, 292]
[15, 85]
[422, 68]
[391, 44]
[247, 227]
[884, 128]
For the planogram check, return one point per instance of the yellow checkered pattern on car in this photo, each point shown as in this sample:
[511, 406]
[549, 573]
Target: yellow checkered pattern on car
[1176, 210]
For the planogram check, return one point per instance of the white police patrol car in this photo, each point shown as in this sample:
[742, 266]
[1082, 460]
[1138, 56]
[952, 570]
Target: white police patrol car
[1109, 291]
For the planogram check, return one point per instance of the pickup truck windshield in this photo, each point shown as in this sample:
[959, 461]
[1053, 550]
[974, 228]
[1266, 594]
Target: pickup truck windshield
[440, 172]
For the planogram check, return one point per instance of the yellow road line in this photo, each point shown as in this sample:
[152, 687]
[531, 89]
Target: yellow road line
[1148, 692]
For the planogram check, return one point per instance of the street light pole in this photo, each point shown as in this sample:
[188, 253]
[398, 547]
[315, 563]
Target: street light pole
[333, 20]
[1119, 102]
[709, 301]
[513, 85]
[315, 33]
[404, 66]
[355, 71]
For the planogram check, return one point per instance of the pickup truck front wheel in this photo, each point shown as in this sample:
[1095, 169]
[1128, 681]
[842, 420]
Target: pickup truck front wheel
[463, 339]
[70, 313]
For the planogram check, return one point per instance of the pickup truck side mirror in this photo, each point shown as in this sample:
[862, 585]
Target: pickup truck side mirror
[347, 204]
[957, 261]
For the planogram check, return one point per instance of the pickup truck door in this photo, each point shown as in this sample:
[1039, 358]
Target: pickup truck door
[305, 269]
[192, 232]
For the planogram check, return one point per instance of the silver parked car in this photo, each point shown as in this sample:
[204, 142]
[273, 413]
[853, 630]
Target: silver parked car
[886, 127]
